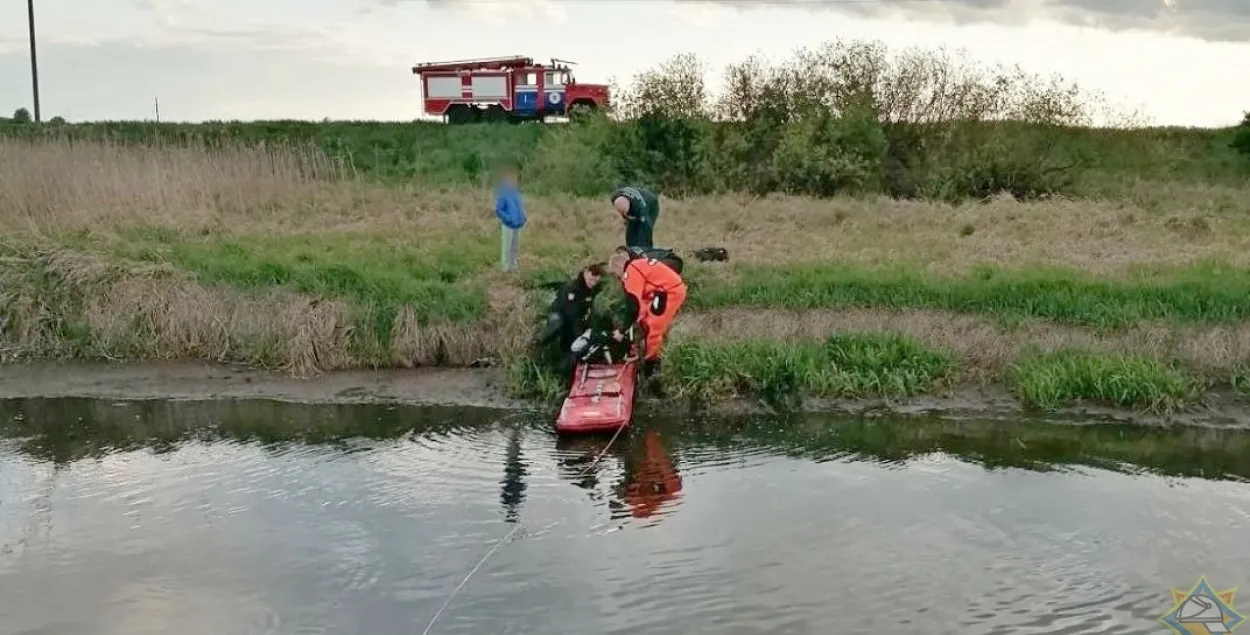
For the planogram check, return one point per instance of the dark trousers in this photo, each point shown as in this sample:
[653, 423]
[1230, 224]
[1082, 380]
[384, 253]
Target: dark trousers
[638, 234]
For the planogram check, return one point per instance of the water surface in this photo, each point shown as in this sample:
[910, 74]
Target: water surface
[260, 517]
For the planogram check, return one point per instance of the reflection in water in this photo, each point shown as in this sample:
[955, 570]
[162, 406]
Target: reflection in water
[514, 472]
[649, 477]
[260, 517]
[584, 458]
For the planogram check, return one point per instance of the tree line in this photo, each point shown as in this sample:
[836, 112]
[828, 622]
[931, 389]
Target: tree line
[848, 117]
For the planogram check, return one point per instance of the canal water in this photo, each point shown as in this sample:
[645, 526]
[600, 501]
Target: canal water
[257, 517]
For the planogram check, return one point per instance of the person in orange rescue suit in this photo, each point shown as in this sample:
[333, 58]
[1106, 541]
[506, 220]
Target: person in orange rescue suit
[654, 293]
[653, 481]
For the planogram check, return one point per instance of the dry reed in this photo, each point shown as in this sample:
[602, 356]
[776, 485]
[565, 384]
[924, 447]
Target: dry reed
[52, 187]
[56, 281]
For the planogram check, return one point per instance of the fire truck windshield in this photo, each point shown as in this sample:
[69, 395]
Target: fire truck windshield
[557, 78]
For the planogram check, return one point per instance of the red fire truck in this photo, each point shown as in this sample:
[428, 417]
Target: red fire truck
[505, 89]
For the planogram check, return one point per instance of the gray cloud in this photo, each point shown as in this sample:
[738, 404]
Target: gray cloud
[1211, 20]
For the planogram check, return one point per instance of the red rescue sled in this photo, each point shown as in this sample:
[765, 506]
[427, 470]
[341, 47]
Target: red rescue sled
[601, 399]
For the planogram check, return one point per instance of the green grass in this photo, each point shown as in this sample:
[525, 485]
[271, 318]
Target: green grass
[1200, 295]
[1069, 377]
[389, 151]
[846, 365]
[779, 373]
[588, 158]
[379, 274]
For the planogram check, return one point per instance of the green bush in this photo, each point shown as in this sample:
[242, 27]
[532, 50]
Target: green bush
[845, 118]
[1241, 137]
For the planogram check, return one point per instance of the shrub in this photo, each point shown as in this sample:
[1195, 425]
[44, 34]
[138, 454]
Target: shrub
[1241, 137]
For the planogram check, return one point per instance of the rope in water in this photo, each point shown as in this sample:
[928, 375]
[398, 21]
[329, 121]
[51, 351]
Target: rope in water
[508, 537]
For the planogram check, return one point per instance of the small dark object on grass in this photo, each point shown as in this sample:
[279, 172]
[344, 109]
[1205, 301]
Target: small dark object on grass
[711, 254]
[482, 362]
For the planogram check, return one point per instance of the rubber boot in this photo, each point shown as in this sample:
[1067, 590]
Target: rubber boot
[651, 377]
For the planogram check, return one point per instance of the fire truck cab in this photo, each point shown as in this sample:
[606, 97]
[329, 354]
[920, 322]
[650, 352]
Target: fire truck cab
[505, 89]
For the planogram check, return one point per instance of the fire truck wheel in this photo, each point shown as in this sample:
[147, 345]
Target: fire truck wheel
[460, 114]
[580, 109]
[496, 114]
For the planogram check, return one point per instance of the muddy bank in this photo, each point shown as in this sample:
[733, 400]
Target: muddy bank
[199, 381]
[487, 388]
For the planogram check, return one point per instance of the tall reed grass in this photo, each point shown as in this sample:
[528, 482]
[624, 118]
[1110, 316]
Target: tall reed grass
[52, 185]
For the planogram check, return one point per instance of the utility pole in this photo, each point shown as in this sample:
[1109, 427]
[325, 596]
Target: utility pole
[34, 60]
[157, 102]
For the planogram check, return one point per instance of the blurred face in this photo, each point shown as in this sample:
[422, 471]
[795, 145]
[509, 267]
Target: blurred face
[617, 263]
[509, 177]
[591, 279]
[622, 206]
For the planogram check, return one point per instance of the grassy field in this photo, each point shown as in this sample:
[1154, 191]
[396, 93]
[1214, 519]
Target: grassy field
[1069, 264]
[1144, 165]
[280, 258]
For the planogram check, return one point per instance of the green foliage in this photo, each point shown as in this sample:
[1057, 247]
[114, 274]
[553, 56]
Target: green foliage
[21, 115]
[570, 158]
[847, 117]
[845, 365]
[1206, 294]
[530, 379]
[1067, 377]
[1241, 138]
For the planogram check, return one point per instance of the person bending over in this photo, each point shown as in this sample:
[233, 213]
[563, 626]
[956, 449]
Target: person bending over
[656, 293]
[640, 208]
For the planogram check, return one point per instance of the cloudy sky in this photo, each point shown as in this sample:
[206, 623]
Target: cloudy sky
[232, 59]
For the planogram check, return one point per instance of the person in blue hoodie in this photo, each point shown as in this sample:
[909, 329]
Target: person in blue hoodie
[511, 214]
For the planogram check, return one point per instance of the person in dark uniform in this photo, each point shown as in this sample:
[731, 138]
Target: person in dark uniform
[640, 208]
[569, 316]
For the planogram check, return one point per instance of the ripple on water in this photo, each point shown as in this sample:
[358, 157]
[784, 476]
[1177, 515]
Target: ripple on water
[739, 455]
[374, 534]
[684, 580]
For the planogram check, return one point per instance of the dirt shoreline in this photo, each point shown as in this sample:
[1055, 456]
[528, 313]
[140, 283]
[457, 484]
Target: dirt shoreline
[486, 388]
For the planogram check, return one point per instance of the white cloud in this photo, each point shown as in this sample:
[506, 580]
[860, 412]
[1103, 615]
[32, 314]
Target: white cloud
[704, 16]
[351, 58]
[504, 12]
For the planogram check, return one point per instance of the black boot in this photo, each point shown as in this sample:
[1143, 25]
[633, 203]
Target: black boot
[651, 377]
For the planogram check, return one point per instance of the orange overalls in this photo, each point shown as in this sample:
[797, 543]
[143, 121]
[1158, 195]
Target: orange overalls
[654, 482]
[660, 292]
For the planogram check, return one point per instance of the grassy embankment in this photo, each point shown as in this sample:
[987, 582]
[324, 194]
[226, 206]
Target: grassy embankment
[866, 256]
